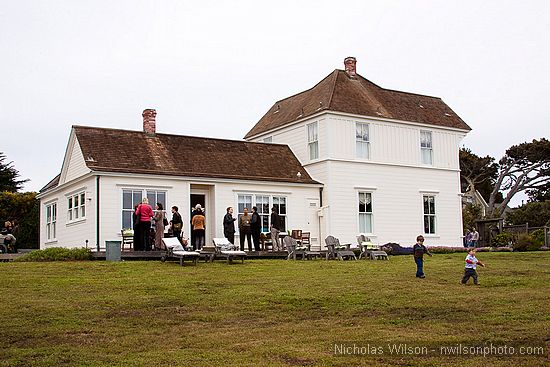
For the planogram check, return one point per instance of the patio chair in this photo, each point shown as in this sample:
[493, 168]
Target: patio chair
[265, 241]
[306, 239]
[370, 250]
[297, 235]
[175, 249]
[290, 244]
[127, 239]
[227, 250]
[337, 251]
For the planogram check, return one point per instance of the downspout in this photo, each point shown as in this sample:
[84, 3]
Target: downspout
[97, 212]
[319, 219]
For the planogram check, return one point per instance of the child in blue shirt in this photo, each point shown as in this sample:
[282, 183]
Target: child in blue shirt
[470, 268]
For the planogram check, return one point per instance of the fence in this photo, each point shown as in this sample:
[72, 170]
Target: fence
[525, 229]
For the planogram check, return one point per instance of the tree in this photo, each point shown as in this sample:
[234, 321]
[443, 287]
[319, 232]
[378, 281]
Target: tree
[470, 213]
[8, 176]
[25, 208]
[537, 214]
[477, 173]
[524, 167]
[539, 194]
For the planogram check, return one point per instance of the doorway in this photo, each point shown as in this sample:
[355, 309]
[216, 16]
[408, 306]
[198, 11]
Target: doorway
[196, 199]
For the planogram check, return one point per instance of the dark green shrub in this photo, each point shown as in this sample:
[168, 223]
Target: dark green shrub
[538, 236]
[526, 242]
[503, 239]
[57, 254]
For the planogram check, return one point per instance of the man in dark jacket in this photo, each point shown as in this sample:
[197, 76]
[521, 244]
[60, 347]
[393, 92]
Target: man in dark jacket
[275, 229]
[256, 228]
[229, 225]
[419, 250]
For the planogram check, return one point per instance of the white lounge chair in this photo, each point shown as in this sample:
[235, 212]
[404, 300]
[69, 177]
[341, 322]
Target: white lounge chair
[227, 250]
[175, 249]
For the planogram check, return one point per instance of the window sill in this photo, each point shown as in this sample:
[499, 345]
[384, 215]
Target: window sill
[50, 242]
[75, 222]
[431, 235]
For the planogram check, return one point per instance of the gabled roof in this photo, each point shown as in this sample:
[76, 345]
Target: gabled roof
[359, 96]
[125, 151]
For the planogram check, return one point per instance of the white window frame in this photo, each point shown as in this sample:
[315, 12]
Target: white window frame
[365, 213]
[312, 130]
[76, 207]
[51, 222]
[426, 147]
[143, 192]
[362, 145]
[253, 199]
[432, 225]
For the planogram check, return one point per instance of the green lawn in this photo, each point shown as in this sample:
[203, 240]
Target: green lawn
[272, 312]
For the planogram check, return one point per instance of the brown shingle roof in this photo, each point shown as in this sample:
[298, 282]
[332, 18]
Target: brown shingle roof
[112, 150]
[53, 183]
[359, 96]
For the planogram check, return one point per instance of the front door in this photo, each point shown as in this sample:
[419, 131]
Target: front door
[196, 199]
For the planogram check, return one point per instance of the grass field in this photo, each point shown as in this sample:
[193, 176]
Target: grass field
[274, 312]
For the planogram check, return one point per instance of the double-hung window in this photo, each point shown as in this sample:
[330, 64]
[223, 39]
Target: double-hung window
[362, 140]
[264, 203]
[429, 214]
[51, 221]
[426, 147]
[76, 207]
[313, 140]
[365, 212]
[132, 197]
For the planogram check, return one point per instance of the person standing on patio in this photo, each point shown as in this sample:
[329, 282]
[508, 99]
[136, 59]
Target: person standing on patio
[144, 212]
[244, 229]
[138, 244]
[176, 223]
[418, 251]
[275, 229]
[229, 225]
[256, 228]
[159, 226]
[199, 229]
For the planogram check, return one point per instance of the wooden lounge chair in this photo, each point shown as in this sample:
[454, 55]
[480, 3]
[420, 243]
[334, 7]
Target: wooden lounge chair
[337, 251]
[370, 250]
[227, 250]
[292, 247]
[175, 249]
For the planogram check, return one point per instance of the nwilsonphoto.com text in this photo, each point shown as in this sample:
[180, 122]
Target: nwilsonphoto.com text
[403, 349]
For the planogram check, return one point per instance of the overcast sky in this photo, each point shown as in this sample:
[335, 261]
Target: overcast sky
[213, 68]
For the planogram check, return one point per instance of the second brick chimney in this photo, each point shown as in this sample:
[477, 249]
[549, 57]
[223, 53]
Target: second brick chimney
[149, 122]
[349, 63]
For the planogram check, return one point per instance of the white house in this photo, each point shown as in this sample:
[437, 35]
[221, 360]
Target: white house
[388, 159]
[342, 158]
[106, 172]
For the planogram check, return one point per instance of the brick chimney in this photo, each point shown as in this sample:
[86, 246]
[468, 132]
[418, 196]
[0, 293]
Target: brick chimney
[349, 63]
[149, 123]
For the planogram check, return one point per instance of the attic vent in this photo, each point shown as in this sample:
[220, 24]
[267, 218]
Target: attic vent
[447, 114]
[378, 111]
[301, 112]
[90, 159]
[420, 105]
[320, 106]
[278, 108]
